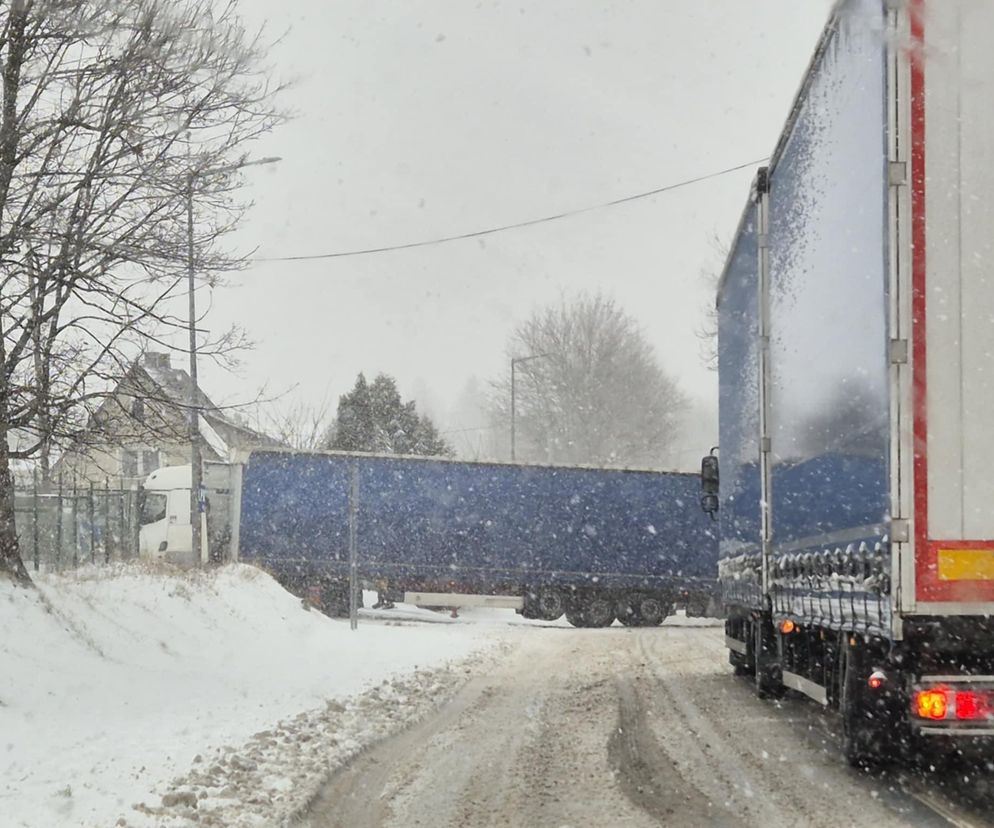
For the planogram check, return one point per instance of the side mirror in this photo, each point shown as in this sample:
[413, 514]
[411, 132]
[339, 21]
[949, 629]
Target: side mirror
[709, 475]
[709, 484]
[709, 503]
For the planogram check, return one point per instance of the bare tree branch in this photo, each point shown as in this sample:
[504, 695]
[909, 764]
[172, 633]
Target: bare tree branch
[113, 114]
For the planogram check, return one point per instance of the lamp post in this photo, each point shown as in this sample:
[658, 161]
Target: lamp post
[197, 499]
[517, 361]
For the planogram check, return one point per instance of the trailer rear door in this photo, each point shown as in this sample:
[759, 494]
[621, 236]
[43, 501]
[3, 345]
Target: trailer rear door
[952, 260]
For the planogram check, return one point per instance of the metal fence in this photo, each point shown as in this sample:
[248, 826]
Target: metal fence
[63, 525]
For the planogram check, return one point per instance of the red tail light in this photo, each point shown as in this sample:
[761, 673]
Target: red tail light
[973, 705]
[932, 703]
[967, 705]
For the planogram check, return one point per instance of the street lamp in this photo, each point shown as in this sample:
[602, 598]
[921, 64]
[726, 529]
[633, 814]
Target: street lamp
[518, 361]
[197, 503]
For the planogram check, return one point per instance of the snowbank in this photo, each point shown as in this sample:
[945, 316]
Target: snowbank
[114, 681]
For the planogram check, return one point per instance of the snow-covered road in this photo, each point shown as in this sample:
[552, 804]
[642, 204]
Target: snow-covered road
[620, 727]
[152, 700]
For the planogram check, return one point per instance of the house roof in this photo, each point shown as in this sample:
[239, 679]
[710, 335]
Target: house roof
[175, 383]
[219, 431]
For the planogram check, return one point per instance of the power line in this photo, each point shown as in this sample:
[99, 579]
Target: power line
[472, 428]
[517, 225]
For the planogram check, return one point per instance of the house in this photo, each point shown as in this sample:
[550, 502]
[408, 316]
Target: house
[144, 425]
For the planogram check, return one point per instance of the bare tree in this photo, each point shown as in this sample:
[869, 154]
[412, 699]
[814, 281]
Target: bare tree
[115, 118]
[707, 331]
[298, 426]
[595, 393]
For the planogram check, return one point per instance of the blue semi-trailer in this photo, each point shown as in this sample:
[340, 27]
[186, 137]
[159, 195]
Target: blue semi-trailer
[592, 544]
[856, 381]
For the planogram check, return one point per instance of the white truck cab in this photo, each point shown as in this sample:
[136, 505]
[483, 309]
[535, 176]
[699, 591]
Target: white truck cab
[164, 531]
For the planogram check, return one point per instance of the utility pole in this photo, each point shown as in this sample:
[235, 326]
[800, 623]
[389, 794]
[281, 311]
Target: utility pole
[196, 457]
[197, 500]
[515, 361]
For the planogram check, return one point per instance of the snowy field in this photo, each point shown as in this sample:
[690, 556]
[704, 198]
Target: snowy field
[132, 698]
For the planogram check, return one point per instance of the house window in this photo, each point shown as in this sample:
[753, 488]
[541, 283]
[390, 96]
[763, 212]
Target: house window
[149, 462]
[138, 409]
[129, 463]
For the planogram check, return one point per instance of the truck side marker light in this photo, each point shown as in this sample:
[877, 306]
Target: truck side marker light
[787, 626]
[876, 679]
[931, 704]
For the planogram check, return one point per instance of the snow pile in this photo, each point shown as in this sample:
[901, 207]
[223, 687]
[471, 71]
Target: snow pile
[271, 779]
[115, 680]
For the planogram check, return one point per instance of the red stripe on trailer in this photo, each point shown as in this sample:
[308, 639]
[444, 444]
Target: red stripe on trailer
[928, 586]
[918, 273]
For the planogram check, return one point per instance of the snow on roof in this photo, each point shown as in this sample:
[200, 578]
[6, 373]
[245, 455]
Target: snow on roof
[220, 432]
[213, 439]
[174, 382]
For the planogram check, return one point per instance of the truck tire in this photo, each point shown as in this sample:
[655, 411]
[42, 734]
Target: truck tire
[551, 604]
[653, 610]
[598, 611]
[335, 600]
[740, 666]
[575, 617]
[743, 664]
[640, 609]
[628, 609]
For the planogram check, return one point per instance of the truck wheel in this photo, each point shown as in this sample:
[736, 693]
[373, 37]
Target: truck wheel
[335, 601]
[576, 617]
[740, 667]
[551, 604]
[629, 618]
[652, 611]
[628, 610]
[529, 608]
[598, 611]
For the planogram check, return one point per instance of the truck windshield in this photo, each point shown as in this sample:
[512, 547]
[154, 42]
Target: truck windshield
[153, 508]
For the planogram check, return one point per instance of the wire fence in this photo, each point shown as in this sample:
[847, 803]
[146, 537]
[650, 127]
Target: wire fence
[60, 526]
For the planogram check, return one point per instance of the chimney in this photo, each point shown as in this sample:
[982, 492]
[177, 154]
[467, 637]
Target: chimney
[156, 361]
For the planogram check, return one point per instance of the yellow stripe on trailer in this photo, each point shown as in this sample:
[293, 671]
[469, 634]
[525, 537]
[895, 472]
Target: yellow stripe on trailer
[966, 564]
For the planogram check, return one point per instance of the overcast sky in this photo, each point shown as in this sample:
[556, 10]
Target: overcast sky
[426, 118]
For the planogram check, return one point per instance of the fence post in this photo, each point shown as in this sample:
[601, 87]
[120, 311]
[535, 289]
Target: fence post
[134, 525]
[34, 523]
[353, 554]
[121, 534]
[107, 534]
[91, 510]
[58, 528]
[75, 521]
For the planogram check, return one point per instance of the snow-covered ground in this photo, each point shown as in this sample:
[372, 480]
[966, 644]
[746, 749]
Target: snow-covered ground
[132, 697]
